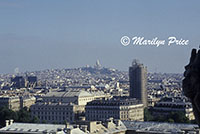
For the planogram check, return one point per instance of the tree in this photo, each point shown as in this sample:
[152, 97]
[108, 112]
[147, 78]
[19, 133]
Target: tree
[170, 120]
[23, 115]
[147, 115]
[6, 114]
[179, 117]
[173, 117]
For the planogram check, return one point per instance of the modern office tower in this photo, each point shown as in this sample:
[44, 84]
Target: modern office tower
[138, 81]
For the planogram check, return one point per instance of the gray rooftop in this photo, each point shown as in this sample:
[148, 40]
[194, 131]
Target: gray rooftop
[32, 128]
[158, 127]
[70, 93]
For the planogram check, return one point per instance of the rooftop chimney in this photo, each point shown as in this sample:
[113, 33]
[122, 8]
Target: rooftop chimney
[11, 121]
[7, 123]
[67, 125]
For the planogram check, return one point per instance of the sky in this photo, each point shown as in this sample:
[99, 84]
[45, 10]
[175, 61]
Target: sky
[51, 34]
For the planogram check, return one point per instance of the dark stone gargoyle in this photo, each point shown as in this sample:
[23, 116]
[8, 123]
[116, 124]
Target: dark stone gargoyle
[191, 83]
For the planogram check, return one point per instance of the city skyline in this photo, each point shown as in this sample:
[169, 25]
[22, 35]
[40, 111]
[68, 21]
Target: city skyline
[96, 67]
[36, 35]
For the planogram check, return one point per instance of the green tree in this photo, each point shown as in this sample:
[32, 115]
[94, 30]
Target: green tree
[170, 120]
[6, 114]
[147, 115]
[179, 117]
[173, 117]
[23, 115]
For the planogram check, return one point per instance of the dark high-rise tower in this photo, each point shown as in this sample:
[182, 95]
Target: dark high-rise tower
[138, 81]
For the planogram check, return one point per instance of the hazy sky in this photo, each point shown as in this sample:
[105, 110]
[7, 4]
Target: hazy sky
[45, 34]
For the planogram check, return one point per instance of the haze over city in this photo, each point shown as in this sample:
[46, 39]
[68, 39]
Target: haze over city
[37, 35]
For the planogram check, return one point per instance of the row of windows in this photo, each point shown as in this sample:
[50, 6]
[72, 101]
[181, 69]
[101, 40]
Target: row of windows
[99, 116]
[52, 113]
[124, 116]
[51, 108]
[60, 100]
[51, 100]
[102, 107]
[101, 112]
[52, 118]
